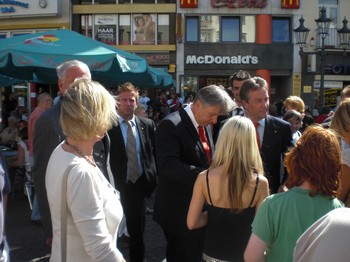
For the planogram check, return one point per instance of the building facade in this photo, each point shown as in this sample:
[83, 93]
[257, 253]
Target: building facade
[220, 37]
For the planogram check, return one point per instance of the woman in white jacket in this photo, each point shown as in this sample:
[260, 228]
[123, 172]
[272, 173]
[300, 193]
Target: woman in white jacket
[93, 205]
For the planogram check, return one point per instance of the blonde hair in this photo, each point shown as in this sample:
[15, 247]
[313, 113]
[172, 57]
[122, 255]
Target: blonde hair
[341, 119]
[87, 111]
[296, 103]
[237, 151]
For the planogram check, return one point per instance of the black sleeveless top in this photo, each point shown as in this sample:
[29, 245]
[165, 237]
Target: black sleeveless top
[227, 233]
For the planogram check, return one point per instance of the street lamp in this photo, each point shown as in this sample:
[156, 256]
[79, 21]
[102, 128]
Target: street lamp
[344, 35]
[301, 34]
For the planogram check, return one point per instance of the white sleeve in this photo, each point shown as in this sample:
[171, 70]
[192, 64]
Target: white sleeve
[86, 205]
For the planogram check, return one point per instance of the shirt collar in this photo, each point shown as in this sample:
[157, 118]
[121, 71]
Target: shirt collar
[191, 115]
[121, 120]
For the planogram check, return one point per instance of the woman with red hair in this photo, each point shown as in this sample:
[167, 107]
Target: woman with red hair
[314, 166]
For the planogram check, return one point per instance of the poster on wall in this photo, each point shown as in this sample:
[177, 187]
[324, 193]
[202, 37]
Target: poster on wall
[144, 29]
[105, 29]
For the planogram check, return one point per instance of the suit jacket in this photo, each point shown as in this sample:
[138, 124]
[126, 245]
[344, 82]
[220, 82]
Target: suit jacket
[48, 135]
[118, 155]
[180, 158]
[277, 139]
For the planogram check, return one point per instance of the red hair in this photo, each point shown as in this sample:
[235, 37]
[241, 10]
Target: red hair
[317, 160]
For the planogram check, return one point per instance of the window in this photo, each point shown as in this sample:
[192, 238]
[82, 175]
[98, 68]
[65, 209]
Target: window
[124, 30]
[214, 29]
[106, 29]
[331, 7]
[127, 29]
[230, 29]
[191, 29]
[210, 29]
[86, 25]
[248, 29]
[280, 30]
[163, 30]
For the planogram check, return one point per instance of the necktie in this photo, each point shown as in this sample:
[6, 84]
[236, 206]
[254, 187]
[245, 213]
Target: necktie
[204, 140]
[131, 151]
[256, 124]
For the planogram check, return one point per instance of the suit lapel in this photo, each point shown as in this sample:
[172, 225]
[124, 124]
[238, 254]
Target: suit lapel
[119, 138]
[141, 129]
[192, 131]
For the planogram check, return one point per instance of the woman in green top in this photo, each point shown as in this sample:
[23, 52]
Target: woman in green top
[314, 166]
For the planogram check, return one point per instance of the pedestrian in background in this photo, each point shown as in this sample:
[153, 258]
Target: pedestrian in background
[93, 206]
[236, 81]
[341, 124]
[48, 134]
[274, 135]
[133, 165]
[184, 147]
[230, 192]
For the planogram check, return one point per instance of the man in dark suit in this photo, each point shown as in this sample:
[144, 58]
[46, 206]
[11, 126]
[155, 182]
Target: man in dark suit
[48, 134]
[236, 81]
[181, 155]
[274, 134]
[133, 190]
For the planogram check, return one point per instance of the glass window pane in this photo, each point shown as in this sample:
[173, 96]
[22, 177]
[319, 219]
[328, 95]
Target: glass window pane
[163, 30]
[210, 29]
[106, 29]
[248, 29]
[144, 29]
[124, 30]
[328, 2]
[191, 29]
[86, 25]
[107, 1]
[230, 29]
[144, 1]
[280, 30]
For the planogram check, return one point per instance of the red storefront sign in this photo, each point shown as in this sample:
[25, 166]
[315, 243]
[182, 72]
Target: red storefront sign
[189, 3]
[239, 3]
[290, 4]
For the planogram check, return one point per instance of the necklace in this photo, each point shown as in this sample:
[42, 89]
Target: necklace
[91, 162]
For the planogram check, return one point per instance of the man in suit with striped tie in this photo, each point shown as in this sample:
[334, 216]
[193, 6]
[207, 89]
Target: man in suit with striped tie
[133, 165]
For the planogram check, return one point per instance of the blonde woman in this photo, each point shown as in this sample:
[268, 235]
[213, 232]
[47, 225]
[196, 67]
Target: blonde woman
[94, 209]
[232, 189]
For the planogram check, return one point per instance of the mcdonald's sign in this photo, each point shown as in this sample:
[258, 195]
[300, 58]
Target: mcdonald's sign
[189, 3]
[291, 4]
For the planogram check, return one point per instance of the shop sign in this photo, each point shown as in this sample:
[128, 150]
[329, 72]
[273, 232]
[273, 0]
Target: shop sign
[239, 3]
[290, 4]
[221, 60]
[14, 8]
[189, 3]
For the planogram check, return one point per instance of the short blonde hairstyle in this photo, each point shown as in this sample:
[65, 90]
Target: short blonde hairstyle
[341, 119]
[296, 103]
[238, 152]
[87, 111]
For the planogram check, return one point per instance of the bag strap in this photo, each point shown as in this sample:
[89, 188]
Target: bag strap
[64, 209]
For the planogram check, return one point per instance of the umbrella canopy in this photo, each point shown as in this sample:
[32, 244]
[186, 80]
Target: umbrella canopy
[162, 78]
[9, 81]
[35, 57]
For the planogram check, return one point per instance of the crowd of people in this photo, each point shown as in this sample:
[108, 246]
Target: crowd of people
[234, 179]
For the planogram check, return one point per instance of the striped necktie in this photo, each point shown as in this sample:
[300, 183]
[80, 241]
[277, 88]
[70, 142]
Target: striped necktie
[131, 151]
